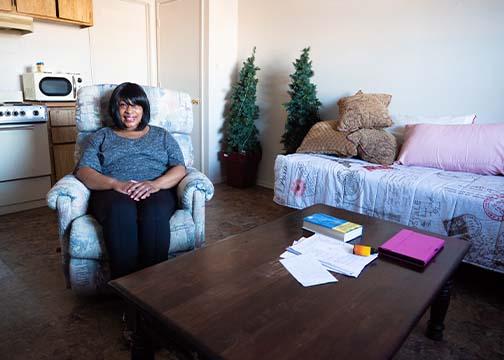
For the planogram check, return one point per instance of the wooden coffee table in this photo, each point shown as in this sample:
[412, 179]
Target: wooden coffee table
[234, 300]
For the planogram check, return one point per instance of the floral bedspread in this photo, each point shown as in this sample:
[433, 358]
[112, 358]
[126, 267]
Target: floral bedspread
[460, 204]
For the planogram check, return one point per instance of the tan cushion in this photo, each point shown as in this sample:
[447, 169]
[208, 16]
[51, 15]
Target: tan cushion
[324, 138]
[374, 145]
[364, 111]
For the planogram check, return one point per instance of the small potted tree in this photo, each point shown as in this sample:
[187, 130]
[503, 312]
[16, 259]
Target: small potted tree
[242, 147]
[303, 107]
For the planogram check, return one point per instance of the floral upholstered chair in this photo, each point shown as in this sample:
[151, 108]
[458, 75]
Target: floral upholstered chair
[83, 249]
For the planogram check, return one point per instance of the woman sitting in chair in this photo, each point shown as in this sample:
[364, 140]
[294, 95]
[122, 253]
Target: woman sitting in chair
[132, 169]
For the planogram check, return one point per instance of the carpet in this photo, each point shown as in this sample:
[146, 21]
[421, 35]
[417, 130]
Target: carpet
[41, 319]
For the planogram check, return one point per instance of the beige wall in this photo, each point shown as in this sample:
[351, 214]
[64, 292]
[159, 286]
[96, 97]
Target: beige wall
[61, 47]
[434, 57]
[123, 42]
[120, 47]
[222, 48]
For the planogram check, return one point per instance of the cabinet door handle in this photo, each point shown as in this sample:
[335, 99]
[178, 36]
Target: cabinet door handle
[195, 101]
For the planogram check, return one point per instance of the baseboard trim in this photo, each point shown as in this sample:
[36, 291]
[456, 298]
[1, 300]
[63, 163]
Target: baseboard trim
[7, 209]
[262, 183]
[266, 184]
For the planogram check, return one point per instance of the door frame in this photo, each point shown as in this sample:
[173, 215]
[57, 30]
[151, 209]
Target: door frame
[203, 50]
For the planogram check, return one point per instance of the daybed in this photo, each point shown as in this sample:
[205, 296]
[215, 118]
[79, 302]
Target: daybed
[450, 203]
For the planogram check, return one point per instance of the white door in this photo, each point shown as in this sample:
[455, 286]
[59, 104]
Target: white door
[179, 64]
[123, 42]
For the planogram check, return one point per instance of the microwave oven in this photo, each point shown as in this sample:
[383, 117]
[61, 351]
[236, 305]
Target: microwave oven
[45, 86]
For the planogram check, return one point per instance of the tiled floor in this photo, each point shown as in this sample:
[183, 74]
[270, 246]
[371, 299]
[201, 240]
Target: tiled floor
[40, 319]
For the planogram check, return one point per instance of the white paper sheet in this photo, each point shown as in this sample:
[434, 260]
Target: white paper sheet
[334, 254]
[287, 253]
[307, 270]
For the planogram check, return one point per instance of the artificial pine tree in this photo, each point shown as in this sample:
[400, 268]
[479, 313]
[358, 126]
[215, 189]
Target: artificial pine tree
[303, 108]
[241, 132]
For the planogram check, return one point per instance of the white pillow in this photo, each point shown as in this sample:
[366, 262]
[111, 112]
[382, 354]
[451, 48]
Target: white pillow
[400, 121]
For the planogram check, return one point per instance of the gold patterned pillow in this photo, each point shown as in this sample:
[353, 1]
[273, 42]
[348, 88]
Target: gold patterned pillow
[375, 145]
[364, 111]
[324, 138]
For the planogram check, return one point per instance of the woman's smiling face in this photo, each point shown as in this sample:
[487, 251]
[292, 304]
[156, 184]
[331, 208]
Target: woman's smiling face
[131, 115]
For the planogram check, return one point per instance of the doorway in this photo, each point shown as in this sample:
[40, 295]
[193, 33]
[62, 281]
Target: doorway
[180, 58]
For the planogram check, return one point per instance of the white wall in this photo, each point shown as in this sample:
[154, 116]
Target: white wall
[434, 57]
[180, 56]
[123, 42]
[61, 47]
[120, 47]
[222, 48]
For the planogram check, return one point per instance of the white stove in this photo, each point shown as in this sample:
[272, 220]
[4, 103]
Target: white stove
[22, 113]
[25, 165]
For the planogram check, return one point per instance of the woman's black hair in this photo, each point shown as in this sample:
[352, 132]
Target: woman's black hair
[133, 94]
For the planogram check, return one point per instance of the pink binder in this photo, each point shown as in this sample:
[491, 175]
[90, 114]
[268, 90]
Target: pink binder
[412, 247]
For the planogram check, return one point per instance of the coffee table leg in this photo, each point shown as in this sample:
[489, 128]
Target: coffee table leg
[141, 348]
[439, 308]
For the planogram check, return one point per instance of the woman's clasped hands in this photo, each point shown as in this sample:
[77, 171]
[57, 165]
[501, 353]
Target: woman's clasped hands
[137, 190]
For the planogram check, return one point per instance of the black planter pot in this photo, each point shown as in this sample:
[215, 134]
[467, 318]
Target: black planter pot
[241, 168]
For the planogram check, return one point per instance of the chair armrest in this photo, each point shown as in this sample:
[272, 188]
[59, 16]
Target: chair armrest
[70, 198]
[193, 191]
[70, 186]
[194, 181]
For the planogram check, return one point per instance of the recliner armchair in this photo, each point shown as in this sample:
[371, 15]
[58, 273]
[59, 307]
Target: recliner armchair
[83, 250]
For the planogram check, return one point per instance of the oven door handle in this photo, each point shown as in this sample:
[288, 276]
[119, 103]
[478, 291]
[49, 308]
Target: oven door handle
[74, 87]
[16, 127]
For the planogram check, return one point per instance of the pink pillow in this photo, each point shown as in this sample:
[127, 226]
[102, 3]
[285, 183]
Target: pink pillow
[471, 148]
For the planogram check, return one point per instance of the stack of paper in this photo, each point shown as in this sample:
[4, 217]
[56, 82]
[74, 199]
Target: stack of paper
[307, 270]
[334, 255]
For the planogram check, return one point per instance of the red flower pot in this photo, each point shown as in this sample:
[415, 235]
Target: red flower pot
[241, 168]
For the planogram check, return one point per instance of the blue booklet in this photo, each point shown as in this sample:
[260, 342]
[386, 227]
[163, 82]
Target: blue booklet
[339, 229]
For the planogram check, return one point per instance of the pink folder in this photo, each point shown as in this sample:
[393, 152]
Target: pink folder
[412, 247]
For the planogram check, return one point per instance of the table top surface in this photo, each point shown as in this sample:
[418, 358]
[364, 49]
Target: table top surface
[234, 300]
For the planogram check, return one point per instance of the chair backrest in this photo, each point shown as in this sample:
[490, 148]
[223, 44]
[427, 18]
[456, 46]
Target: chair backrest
[170, 109]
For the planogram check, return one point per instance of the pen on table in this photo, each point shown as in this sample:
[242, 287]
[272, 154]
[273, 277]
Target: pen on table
[291, 250]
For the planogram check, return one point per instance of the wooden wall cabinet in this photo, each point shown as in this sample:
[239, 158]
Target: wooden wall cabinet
[77, 10]
[6, 5]
[67, 11]
[37, 7]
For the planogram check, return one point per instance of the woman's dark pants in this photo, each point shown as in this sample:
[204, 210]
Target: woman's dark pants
[136, 233]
